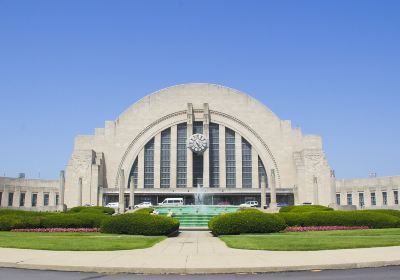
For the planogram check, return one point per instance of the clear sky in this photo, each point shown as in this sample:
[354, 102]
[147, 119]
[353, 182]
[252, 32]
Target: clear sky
[332, 67]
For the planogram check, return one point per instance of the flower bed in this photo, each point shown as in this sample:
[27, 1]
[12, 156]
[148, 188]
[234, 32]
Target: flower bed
[56, 230]
[323, 228]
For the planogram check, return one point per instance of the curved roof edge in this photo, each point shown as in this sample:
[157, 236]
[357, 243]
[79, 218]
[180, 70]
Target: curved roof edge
[161, 91]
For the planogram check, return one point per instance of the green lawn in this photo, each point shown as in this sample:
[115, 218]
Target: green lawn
[315, 241]
[75, 241]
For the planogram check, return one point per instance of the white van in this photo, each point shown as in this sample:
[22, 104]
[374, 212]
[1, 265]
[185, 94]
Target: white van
[113, 205]
[172, 202]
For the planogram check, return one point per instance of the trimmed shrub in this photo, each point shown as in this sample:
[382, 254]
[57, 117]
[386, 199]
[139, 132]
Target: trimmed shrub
[78, 220]
[140, 224]
[92, 209]
[341, 218]
[7, 222]
[144, 211]
[391, 212]
[246, 222]
[12, 212]
[249, 210]
[304, 209]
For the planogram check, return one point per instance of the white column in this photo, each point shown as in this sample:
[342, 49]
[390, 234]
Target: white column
[189, 160]
[141, 169]
[367, 198]
[315, 191]
[390, 196]
[157, 160]
[100, 197]
[238, 157]
[254, 168]
[40, 195]
[132, 193]
[79, 200]
[379, 197]
[4, 199]
[121, 199]
[222, 157]
[206, 154]
[206, 168]
[52, 198]
[273, 203]
[17, 193]
[189, 163]
[28, 198]
[333, 188]
[61, 191]
[263, 192]
[173, 156]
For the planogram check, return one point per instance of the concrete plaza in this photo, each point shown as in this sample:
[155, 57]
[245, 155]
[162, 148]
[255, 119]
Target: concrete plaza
[197, 253]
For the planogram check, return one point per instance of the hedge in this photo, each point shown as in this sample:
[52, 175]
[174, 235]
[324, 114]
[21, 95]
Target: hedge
[23, 219]
[304, 209]
[92, 209]
[246, 222]
[341, 218]
[140, 224]
[391, 212]
[144, 211]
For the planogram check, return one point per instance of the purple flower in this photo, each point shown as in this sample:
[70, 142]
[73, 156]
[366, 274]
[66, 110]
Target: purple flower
[56, 230]
[324, 228]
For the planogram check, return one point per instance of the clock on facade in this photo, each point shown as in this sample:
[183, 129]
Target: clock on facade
[198, 143]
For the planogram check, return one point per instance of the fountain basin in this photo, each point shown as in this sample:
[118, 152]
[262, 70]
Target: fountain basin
[195, 216]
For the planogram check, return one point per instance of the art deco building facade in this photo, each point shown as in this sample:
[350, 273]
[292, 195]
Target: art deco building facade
[192, 136]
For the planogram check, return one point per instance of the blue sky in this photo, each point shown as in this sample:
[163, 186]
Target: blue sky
[332, 67]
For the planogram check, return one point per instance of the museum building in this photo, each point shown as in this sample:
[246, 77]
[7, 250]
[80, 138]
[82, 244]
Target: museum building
[198, 137]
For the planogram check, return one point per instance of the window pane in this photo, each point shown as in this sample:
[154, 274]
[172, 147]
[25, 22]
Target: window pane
[149, 164]
[214, 155]
[246, 164]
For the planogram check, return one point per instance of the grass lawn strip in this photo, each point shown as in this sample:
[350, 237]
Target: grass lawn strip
[76, 241]
[316, 241]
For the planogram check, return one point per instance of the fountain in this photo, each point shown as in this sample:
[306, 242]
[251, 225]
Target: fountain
[197, 215]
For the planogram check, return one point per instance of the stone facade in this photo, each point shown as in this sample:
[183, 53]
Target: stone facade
[146, 148]
[29, 194]
[296, 159]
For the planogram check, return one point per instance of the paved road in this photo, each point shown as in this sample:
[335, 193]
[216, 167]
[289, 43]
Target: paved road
[388, 273]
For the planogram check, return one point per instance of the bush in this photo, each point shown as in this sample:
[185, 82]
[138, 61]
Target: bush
[12, 212]
[144, 211]
[341, 218]
[92, 209]
[7, 223]
[78, 220]
[304, 209]
[249, 210]
[246, 222]
[140, 224]
[391, 212]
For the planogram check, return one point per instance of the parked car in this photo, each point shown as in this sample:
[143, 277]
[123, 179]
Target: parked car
[113, 205]
[172, 202]
[144, 205]
[249, 204]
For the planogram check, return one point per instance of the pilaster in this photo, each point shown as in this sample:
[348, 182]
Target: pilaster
[173, 158]
[222, 157]
[141, 169]
[189, 163]
[238, 156]
[206, 154]
[254, 168]
[157, 160]
[121, 199]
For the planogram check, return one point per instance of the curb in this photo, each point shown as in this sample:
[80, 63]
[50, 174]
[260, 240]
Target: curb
[200, 270]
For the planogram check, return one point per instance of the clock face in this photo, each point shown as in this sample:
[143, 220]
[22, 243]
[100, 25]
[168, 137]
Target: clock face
[198, 143]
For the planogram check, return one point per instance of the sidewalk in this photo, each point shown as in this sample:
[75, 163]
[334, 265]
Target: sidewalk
[197, 252]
